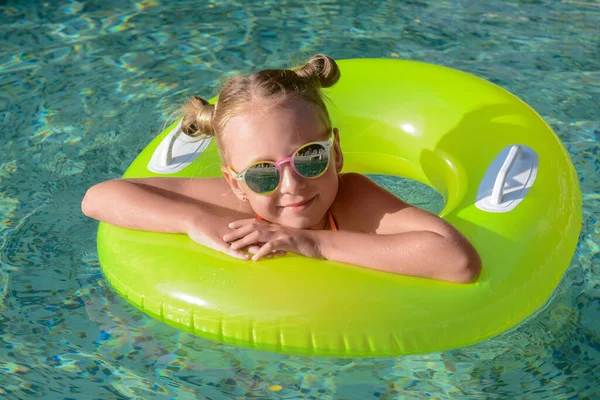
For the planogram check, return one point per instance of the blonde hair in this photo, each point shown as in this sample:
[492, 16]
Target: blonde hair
[203, 119]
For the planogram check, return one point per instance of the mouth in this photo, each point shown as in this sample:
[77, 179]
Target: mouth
[299, 206]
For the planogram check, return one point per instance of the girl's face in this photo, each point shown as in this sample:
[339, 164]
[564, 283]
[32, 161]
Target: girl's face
[268, 131]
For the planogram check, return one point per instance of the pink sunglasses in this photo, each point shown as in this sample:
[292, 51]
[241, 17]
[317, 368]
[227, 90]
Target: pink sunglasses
[311, 161]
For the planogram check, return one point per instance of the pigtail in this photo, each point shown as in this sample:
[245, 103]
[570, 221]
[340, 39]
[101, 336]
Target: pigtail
[320, 71]
[198, 118]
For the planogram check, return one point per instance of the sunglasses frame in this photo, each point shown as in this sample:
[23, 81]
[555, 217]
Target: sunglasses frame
[241, 176]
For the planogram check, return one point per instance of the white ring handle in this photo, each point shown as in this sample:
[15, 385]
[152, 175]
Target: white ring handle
[176, 151]
[165, 154]
[498, 190]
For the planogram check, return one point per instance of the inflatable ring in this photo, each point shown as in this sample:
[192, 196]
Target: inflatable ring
[508, 185]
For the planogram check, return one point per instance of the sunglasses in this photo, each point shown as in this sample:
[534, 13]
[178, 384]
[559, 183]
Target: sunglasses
[310, 161]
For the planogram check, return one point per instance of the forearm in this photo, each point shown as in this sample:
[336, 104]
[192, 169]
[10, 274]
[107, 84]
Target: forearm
[136, 206]
[420, 253]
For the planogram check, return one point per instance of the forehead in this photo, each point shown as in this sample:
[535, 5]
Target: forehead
[271, 131]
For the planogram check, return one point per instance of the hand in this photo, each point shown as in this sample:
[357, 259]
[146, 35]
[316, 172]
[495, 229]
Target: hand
[208, 231]
[253, 249]
[250, 233]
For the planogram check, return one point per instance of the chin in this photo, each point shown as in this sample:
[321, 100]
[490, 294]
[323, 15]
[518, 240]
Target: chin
[304, 221]
[298, 223]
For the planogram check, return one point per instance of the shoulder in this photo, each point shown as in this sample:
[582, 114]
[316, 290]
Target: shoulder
[378, 210]
[356, 182]
[358, 190]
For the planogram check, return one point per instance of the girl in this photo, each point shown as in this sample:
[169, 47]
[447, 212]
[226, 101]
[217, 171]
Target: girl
[282, 188]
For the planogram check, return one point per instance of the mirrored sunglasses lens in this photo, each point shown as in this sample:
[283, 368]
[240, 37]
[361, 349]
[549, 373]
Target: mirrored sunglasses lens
[310, 161]
[262, 178]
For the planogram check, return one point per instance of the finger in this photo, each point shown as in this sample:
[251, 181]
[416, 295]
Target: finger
[226, 248]
[242, 222]
[253, 249]
[236, 253]
[239, 233]
[250, 239]
[264, 250]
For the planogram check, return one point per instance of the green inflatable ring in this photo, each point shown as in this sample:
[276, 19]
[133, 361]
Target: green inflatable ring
[429, 123]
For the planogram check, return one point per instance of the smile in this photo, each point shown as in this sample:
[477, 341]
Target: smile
[299, 206]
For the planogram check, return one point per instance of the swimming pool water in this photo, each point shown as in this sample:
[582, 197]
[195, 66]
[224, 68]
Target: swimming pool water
[86, 85]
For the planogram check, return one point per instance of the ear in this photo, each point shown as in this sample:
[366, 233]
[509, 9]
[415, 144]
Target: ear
[337, 151]
[234, 184]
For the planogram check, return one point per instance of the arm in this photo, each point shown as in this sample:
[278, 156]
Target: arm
[163, 205]
[402, 239]
[417, 253]
[158, 204]
[137, 206]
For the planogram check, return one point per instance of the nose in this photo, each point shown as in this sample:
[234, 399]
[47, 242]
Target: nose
[291, 181]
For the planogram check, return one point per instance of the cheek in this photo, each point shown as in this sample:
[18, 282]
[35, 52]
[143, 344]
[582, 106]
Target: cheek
[264, 205]
[328, 185]
[331, 179]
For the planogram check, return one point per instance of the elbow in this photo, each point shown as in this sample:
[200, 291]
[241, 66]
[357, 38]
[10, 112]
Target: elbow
[88, 204]
[468, 267]
[461, 260]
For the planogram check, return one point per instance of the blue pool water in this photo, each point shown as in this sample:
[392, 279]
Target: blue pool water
[86, 85]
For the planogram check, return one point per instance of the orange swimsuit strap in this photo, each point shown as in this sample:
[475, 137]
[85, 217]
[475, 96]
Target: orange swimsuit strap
[329, 215]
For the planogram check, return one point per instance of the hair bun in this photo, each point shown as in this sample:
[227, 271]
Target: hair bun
[320, 69]
[197, 117]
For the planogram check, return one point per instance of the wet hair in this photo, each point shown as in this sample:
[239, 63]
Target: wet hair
[201, 119]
